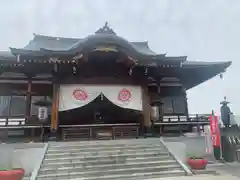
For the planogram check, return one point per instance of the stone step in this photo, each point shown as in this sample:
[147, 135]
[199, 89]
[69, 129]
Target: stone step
[105, 161]
[98, 173]
[105, 167]
[205, 171]
[106, 156]
[107, 142]
[82, 146]
[100, 148]
[134, 176]
[108, 160]
[77, 153]
[26, 178]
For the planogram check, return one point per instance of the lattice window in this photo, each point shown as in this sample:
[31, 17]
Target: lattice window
[18, 105]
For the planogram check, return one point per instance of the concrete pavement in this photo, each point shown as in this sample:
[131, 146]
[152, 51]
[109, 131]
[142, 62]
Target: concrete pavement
[201, 177]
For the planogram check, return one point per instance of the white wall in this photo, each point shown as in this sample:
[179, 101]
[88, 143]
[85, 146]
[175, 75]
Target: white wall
[182, 146]
[26, 156]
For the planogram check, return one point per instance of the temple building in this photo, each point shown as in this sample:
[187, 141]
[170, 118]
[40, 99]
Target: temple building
[99, 86]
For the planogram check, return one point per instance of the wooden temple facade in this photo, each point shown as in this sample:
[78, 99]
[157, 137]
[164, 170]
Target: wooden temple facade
[48, 65]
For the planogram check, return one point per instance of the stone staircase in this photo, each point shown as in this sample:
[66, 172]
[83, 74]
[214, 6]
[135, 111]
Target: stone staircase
[108, 160]
[26, 177]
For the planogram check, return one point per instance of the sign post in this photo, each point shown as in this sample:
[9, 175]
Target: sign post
[216, 138]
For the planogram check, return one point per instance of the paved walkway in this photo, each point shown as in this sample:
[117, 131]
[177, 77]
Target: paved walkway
[181, 145]
[227, 168]
[202, 177]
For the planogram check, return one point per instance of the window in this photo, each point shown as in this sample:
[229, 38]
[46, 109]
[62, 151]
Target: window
[167, 105]
[174, 105]
[18, 105]
[12, 105]
[4, 105]
[179, 104]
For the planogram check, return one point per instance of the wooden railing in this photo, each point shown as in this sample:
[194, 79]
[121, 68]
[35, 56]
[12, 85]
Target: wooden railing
[180, 119]
[12, 121]
[19, 121]
[100, 131]
[182, 123]
[17, 126]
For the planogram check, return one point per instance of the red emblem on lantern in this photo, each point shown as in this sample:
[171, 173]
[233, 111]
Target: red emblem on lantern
[80, 95]
[124, 95]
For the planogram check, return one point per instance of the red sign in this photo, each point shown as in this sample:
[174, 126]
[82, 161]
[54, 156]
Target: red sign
[215, 132]
[124, 95]
[80, 95]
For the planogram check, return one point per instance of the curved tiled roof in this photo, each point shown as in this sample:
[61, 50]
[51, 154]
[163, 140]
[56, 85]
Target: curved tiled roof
[51, 46]
[191, 72]
[6, 56]
[70, 44]
[57, 46]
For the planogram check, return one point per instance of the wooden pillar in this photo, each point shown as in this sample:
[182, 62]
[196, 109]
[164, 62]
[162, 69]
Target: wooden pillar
[55, 104]
[28, 98]
[160, 105]
[160, 110]
[29, 103]
[146, 110]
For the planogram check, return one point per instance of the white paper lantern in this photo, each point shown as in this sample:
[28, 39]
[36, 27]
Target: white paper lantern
[42, 113]
[155, 112]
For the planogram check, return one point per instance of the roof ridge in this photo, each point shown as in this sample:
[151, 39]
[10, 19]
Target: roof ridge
[142, 42]
[70, 38]
[55, 37]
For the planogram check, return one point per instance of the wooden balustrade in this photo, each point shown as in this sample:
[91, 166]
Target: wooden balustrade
[126, 132]
[17, 126]
[76, 133]
[100, 131]
[12, 121]
[191, 120]
[179, 123]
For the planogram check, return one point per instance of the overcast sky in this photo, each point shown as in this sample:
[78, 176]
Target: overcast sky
[204, 30]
